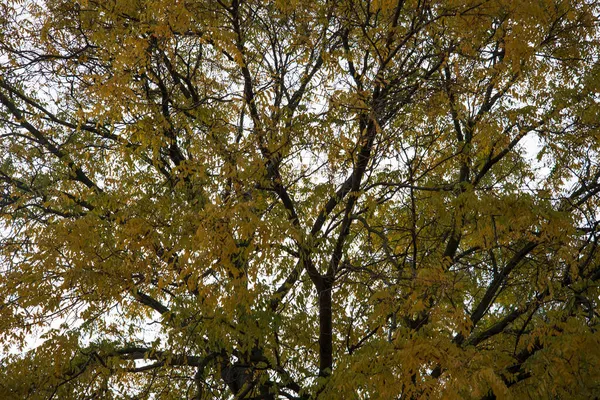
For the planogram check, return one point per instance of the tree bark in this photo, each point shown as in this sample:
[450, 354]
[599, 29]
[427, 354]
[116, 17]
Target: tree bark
[325, 329]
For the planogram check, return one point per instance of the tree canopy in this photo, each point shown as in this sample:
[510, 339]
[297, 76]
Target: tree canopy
[299, 199]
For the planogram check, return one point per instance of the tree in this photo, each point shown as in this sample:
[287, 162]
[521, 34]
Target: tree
[300, 199]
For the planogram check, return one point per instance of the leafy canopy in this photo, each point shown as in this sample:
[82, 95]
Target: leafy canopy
[297, 199]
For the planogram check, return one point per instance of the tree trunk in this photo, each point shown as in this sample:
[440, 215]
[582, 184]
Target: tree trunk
[325, 330]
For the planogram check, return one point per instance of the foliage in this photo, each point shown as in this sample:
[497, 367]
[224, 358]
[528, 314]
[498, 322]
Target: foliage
[299, 199]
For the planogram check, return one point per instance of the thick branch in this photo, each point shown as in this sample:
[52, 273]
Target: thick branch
[490, 293]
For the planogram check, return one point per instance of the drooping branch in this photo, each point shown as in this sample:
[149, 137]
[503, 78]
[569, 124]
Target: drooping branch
[77, 173]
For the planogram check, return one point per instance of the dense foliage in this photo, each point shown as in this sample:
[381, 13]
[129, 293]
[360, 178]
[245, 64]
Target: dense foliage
[342, 199]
